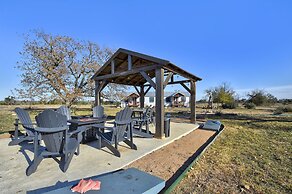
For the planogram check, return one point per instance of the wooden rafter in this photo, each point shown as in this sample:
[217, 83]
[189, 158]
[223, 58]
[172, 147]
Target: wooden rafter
[185, 87]
[167, 79]
[149, 80]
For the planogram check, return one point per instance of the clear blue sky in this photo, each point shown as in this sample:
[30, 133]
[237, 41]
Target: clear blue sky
[245, 43]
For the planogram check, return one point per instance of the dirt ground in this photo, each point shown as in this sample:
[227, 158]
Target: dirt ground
[170, 161]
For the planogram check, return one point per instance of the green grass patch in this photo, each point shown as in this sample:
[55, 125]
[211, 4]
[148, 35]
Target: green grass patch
[6, 121]
[8, 116]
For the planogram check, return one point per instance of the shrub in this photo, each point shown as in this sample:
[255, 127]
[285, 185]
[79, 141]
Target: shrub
[283, 109]
[278, 111]
[260, 97]
[249, 105]
[230, 105]
[288, 108]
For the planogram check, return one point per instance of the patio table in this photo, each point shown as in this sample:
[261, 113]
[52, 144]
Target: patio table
[87, 123]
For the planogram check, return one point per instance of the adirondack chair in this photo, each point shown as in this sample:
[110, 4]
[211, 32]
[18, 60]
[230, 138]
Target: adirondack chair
[26, 123]
[64, 110]
[52, 127]
[144, 120]
[107, 136]
[98, 111]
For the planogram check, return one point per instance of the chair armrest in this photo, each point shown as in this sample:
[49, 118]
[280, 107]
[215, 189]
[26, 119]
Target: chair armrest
[79, 130]
[103, 127]
[27, 123]
[51, 130]
[123, 122]
[111, 122]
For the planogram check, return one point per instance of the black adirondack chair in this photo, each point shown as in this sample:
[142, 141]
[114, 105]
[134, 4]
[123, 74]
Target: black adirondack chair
[121, 131]
[52, 127]
[64, 110]
[98, 111]
[27, 125]
[143, 121]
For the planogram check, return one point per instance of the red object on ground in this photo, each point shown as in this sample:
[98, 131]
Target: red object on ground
[86, 185]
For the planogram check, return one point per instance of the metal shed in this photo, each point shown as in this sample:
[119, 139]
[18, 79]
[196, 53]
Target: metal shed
[138, 70]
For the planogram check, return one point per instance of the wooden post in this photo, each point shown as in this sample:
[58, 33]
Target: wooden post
[113, 67]
[129, 62]
[97, 93]
[159, 103]
[193, 101]
[142, 97]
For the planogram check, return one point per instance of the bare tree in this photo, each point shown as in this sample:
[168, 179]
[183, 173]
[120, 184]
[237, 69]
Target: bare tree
[59, 66]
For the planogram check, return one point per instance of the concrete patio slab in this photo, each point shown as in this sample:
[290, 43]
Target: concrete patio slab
[15, 159]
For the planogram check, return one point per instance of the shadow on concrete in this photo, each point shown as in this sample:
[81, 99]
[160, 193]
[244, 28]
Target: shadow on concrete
[60, 184]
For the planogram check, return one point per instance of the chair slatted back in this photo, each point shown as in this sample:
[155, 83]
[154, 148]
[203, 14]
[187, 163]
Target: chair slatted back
[98, 111]
[123, 116]
[64, 110]
[147, 114]
[25, 120]
[51, 119]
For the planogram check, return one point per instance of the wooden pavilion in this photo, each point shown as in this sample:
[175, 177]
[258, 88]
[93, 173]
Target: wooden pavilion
[136, 69]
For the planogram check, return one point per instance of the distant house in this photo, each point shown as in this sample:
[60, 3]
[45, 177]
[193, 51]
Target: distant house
[177, 99]
[131, 100]
[171, 99]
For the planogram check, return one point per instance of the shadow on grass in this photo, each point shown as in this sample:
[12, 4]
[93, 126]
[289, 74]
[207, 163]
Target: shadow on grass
[233, 116]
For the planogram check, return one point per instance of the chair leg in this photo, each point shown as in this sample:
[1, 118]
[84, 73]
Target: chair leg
[147, 126]
[131, 144]
[140, 126]
[114, 150]
[33, 166]
[99, 142]
[116, 142]
[66, 160]
[77, 151]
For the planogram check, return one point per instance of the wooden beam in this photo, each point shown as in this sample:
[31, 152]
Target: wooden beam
[99, 86]
[142, 97]
[97, 93]
[104, 85]
[193, 101]
[159, 103]
[129, 62]
[137, 90]
[177, 70]
[185, 87]
[144, 74]
[175, 82]
[113, 67]
[125, 73]
[147, 90]
[167, 79]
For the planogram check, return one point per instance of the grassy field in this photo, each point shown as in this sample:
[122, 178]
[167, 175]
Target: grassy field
[252, 155]
[7, 115]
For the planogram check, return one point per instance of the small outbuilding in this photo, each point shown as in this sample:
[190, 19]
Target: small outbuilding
[145, 72]
[131, 100]
[176, 99]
